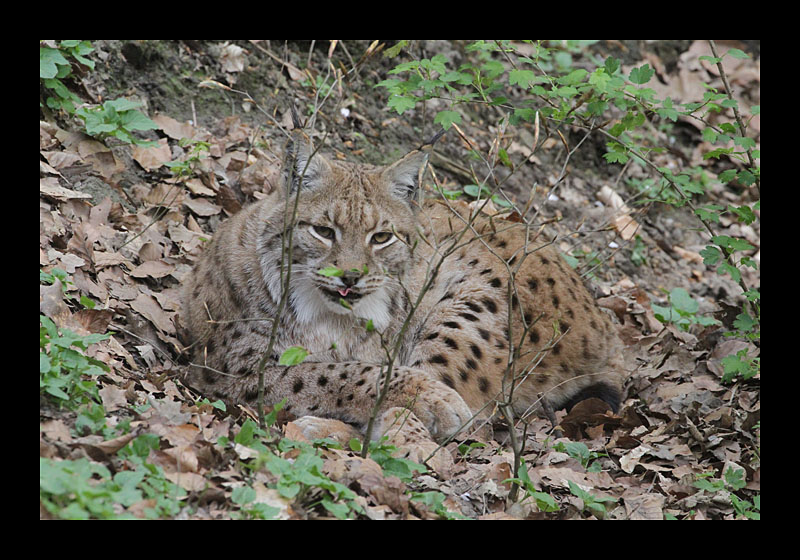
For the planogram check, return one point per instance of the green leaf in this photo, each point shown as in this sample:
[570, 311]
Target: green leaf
[293, 356]
[744, 213]
[717, 153]
[134, 120]
[709, 212]
[746, 178]
[744, 141]
[272, 416]
[737, 53]
[664, 314]
[577, 450]
[339, 511]
[732, 366]
[711, 59]
[544, 501]
[501, 202]
[122, 104]
[447, 118]
[429, 86]
[49, 61]
[330, 271]
[401, 103]
[735, 478]
[611, 65]
[461, 78]
[394, 50]
[616, 157]
[243, 495]
[574, 78]
[668, 112]
[727, 176]
[709, 484]
[450, 195]
[641, 75]
[709, 135]
[219, 405]
[732, 243]
[729, 269]
[576, 490]
[391, 84]
[744, 322]
[245, 434]
[522, 78]
[682, 301]
[474, 191]
[565, 92]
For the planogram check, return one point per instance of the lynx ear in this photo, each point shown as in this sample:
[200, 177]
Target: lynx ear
[404, 177]
[302, 166]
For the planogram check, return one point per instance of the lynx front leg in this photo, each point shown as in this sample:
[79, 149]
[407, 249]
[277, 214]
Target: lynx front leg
[348, 391]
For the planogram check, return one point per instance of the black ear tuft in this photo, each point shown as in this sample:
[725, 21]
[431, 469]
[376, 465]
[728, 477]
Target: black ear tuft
[302, 166]
[404, 176]
[296, 124]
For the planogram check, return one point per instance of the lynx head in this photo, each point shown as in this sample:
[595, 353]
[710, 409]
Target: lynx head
[355, 223]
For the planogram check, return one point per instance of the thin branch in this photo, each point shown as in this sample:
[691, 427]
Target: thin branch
[736, 114]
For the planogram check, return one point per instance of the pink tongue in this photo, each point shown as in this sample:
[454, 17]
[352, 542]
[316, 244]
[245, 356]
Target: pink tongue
[344, 292]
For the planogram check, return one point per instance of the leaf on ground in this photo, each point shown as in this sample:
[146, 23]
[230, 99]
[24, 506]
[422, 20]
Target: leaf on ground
[174, 128]
[202, 207]
[149, 308]
[153, 269]
[152, 157]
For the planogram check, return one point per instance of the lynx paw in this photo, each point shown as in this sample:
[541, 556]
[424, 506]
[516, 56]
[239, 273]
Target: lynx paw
[440, 408]
[413, 440]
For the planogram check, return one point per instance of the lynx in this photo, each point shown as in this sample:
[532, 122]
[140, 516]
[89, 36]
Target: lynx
[363, 250]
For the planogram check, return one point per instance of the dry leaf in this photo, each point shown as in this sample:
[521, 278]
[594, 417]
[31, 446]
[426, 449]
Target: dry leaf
[153, 269]
[50, 187]
[233, 58]
[626, 226]
[645, 506]
[202, 207]
[152, 157]
[149, 308]
[196, 186]
[56, 430]
[113, 398]
[60, 160]
[93, 320]
[173, 128]
[189, 481]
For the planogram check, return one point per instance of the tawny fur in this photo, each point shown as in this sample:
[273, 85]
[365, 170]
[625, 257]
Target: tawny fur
[455, 349]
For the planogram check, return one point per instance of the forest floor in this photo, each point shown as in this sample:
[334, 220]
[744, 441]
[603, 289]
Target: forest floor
[126, 230]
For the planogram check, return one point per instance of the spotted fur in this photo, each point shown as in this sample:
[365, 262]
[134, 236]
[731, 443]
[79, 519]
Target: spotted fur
[455, 349]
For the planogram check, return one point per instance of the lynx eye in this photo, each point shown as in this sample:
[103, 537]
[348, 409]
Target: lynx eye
[381, 237]
[323, 232]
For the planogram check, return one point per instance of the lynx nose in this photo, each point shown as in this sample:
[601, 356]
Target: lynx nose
[350, 277]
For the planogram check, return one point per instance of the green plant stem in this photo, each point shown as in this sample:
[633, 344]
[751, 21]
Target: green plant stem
[688, 200]
[739, 121]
